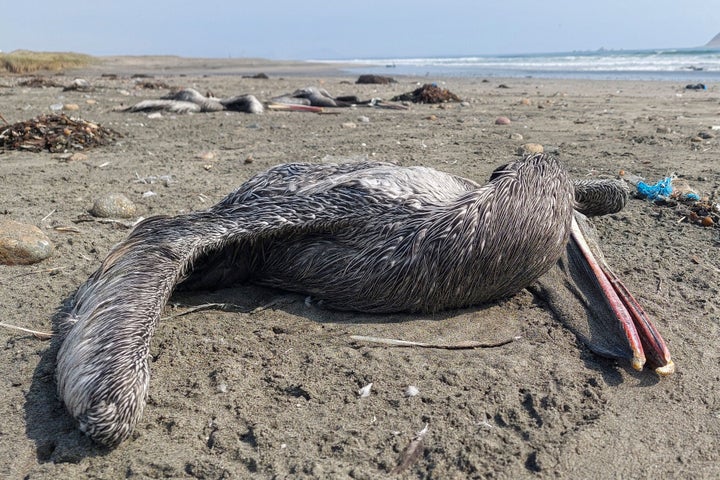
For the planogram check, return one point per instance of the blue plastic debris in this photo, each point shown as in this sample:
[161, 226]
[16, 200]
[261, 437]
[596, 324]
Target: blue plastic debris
[661, 188]
[692, 196]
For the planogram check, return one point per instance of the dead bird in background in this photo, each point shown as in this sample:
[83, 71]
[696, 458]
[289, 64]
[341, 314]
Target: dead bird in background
[369, 237]
[189, 100]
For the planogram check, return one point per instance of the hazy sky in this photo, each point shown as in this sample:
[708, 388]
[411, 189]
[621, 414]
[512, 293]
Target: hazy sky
[333, 29]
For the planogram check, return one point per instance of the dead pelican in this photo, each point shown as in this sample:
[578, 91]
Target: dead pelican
[369, 237]
[189, 100]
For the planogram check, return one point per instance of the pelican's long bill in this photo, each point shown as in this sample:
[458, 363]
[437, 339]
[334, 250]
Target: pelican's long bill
[645, 342]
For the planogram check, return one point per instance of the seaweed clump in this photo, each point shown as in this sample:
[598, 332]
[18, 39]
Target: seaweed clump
[428, 93]
[375, 79]
[56, 134]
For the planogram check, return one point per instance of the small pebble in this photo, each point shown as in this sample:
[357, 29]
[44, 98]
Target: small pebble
[706, 135]
[502, 121]
[56, 106]
[249, 159]
[22, 244]
[71, 107]
[91, 101]
[363, 119]
[530, 149]
[77, 157]
[464, 104]
[431, 117]
[516, 136]
[663, 129]
[525, 101]
[154, 115]
[696, 139]
[707, 221]
[113, 205]
[349, 125]
[205, 155]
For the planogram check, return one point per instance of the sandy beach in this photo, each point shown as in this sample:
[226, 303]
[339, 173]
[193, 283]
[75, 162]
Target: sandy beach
[272, 392]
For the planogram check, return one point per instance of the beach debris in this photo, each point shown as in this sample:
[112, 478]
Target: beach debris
[652, 192]
[705, 135]
[687, 202]
[461, 345]
[151, 85]
[502, 85]
[35, 333]
[529, 149]
[411, 453]
[189, 100]
[428, 93]
[412, 391]
[23, 244]
[696, 86]
[165, 180]
[55, 133]
[79, 85]
[516, 136]
[113, 205]
[365, 391]
[38, 82]
[375, 79]
[502, 121]
[259, 76]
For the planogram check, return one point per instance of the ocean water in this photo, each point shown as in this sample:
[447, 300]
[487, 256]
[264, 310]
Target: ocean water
[699, 65]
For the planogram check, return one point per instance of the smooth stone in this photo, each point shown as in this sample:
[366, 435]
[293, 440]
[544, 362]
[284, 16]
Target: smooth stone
[349, 125]
[530, 149]
[502, 121]
[22, 244]
[71, 107]
[113, 205]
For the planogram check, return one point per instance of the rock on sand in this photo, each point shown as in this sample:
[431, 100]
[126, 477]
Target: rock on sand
[113, 205]
[22, 244]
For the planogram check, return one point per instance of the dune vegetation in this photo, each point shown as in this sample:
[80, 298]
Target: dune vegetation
[26, 61]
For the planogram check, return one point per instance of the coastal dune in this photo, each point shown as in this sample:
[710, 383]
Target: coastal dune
[265, 385]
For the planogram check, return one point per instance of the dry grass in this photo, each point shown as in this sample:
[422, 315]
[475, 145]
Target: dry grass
[25, 61]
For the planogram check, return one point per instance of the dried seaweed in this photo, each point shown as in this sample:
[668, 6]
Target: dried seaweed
[152, 85]
[375, 79]
[428, 93]
[56, 134]
[38, 82]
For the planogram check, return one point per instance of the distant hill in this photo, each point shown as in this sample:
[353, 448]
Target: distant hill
[715, 42]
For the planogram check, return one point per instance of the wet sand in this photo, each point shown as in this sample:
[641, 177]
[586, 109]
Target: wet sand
[272, 392]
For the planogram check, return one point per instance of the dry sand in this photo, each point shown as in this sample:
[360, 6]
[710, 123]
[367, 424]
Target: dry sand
[273, 394]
